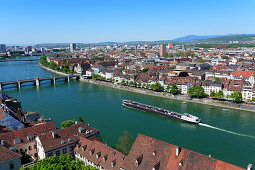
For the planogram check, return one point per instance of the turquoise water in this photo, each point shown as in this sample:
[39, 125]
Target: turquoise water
[226, 135]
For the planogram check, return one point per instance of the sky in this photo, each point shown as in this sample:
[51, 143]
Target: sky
[90, 21]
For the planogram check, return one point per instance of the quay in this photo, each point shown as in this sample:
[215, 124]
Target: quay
[37, 81]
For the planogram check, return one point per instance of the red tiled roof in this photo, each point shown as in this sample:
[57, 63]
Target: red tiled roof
[23, 133]
[72, 132]
[148, 152]
[7, 154]
[245, 74]
[105, 153]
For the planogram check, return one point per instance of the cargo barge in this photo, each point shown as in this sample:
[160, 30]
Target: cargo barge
[159, 111]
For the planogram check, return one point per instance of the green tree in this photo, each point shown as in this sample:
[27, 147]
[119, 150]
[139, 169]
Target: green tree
[220, 94]
[217, 79]
[157, 87]
[67, 123]
[196, 91]
[236, 96]
[167, 88]
[174, 89]
[63, 162]
[212, 94]
[125, 143]
[145, 70]
[80, 119]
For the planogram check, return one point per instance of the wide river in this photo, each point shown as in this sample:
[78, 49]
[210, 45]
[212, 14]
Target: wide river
[225, 135]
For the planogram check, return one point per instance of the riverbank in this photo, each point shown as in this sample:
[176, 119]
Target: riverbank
[204, 101]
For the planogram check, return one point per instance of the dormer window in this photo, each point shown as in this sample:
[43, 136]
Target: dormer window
[138, 161]
[113, 163]
[154, 153]
[98, 155]
[17, 141]
[81, 129]
[105, 158]
[156, 167]
[84, 148]
[62, 142]
[30, 137]
[91, 151]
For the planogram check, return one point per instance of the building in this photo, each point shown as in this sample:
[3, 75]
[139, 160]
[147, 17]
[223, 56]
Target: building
[23, 140]
[146, 153]
[63, 141]
[98, 154]
[2, 48]
[211, 85]
[72, 47]
[9, 159]
[27, 49]
[162, 51]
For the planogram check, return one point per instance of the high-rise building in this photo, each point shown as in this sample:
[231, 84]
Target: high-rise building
[72, 47]
[162, 51]
[27, 49]
[170, 45]
[2, 48]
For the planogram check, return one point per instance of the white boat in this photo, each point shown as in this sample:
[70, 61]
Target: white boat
[225, 109]
[184, 102]
[190, 118]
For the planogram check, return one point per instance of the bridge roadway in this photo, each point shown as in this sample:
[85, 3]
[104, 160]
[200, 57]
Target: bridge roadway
[19, 60]
[38, 80]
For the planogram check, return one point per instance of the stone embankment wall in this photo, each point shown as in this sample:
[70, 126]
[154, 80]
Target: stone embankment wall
[53, 71]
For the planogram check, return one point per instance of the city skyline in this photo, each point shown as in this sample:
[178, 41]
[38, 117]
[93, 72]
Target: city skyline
[33, 22]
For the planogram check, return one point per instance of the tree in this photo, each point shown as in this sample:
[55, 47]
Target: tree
[168, 88]
[217, 79]
[196, 91]
[145, 70]
[174, 89]
[67, 123]
[125, 143]
[157, 87]
[212, 94]
[63, 162]
[80, 119]
[236, 96]
[220, 94]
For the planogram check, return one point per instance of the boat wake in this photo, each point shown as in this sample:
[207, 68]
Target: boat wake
[227, 131]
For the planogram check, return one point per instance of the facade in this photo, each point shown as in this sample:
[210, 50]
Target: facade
[2, 48]
[162, 51]
[72, 47]
[210, 85]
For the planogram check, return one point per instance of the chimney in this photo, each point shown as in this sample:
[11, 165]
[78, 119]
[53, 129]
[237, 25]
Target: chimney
[178, 150]
[54, 135]
[249, 167]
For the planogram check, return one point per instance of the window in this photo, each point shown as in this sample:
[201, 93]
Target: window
[70, 148]
[11, 166]
[57, 153]
[49, 154]
[30, 148]
[64, 150]
[34, 146]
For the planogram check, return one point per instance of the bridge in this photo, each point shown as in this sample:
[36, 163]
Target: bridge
[37, 81]
[19, 60]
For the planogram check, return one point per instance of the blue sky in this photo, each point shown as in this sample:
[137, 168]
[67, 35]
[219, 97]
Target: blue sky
[50, 21]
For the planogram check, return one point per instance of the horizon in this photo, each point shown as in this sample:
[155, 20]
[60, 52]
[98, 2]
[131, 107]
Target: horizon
[78, 21]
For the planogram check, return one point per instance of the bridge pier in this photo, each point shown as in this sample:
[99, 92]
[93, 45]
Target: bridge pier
[67, 78]
[1, 87]
[18, 84]
[37, 82]
[53, 80]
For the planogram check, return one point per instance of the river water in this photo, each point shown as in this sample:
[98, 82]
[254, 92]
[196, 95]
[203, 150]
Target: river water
[225, 135]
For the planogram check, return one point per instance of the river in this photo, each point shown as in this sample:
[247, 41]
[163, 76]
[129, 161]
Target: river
[225, 135]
